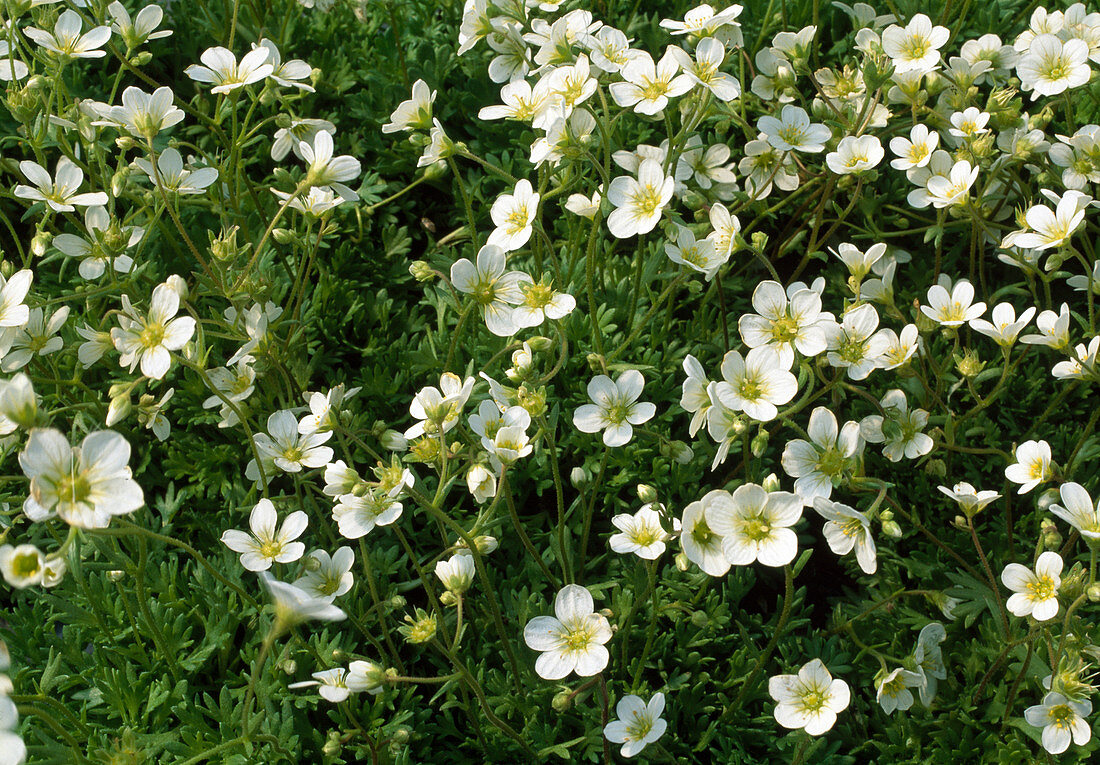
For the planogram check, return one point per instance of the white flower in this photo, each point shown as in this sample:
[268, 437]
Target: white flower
[694, 398]
[954, 308]
[1035, 593]
[170, 174]
[640, 533]
[1078, 511]
[929, 660]
[916, 150]
[892, 689]
[573, 639]
[702, 21]
[639, 723]
[84, 485]
[139, 30]
[854, 344]
[704, 68]
[647, 86]
[703, 546]
[1062, 721]
[13, 290]
[18, 403]
[585, 207]
[285, 73]
[916, 46]
[58, 192]
[101, 248]
[848, 528]
[457, 573]
[969, 123]
[266, 545]
[811, 699]
[494, 290]
[332, 684]
[899, 348]
[1053, 328]
[537, 105]
[952, 188]
[615, 409]
[11, 68]
[222, 69]
[326, 170]
[639, 201]
[725, 229]
[1004, 328]
[858, 261]
[327, 576]
[356, 515]
[67, 40]
[785, 326]
[793, 131]
[288, 139]
[970, 500]
[286, 449]
[294, 605]
[541, 302]
[513, 215]
[146, 114]
[1051, 228]
[698, 255]
[854, 155]
[439, 409]
[755, 525]
[1052, 66]
[900, 429]
[821, 462]
[147, 340]
[22, 566]
[38, 337]
[756, 384]
[1032, 465]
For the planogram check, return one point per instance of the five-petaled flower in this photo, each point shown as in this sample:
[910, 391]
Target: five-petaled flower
[573, 639]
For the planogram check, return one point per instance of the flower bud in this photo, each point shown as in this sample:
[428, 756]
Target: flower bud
[562, 701]
[1093, 592]
[759, 443]
[141, 59]
[40, 243]
[176, 283]
[116, 575]
[699, 619]
[678, 451]
[771, 483]
[936, 467]
[289, 666]
[540, 343]
[421, 271]
[579, 477]
[1045, 500]
[18, 402]
[394, 441]
[284, 236]
[682, 561]
[891, 529]
[759, 241]
[646, 493]
[595, 362]
[21, 566]
[1052, 538]
[400, 736]
[333, 745]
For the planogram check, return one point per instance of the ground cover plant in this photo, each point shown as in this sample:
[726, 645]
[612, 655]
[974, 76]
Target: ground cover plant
[520, 381]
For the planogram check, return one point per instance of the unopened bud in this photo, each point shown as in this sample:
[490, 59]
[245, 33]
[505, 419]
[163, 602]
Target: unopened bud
[646, 493]
[1093, 592]
[562, 701]
[40, 243]
[679, 452]
[290, 666]
[759, 240]
[595, 362]
[759, 443]
[891, 529]
[682, 561]
[771, 483]
[1046, 499]
[333, 746]
[540, 343]
[579, 477]
[284, 236]
[421, 271]
[699, 619]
